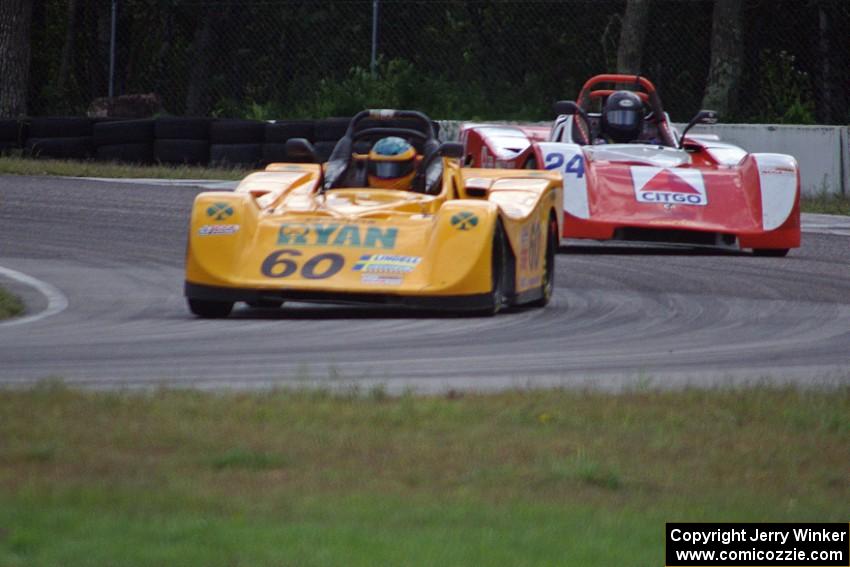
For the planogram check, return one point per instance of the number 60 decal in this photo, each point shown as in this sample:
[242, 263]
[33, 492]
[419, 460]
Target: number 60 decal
[279, 264]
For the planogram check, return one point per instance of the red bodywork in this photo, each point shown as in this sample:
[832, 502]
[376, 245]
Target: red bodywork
[704, 193]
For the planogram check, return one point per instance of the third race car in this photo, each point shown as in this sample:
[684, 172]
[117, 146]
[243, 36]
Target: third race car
[629, 176]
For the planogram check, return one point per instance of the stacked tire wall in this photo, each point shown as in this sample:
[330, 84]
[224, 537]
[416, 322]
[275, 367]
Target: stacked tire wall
[168, 140]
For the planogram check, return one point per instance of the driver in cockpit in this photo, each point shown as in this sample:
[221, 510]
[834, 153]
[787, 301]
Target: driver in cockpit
[392, 164]
[622, 119]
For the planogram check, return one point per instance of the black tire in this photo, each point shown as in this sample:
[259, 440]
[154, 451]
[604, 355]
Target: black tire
[59, 148]
[248, 155]
[331, 129]
[171, 128]
[191, 152]
[498, 296]
[60, 127]
[531, 163]
[123, 132]
[237, 132]
[210, 309]
[771, 252]
[12, 131]
[274, 153]
[281, 131]
[323, 150]
[130, 153]
[547, 288]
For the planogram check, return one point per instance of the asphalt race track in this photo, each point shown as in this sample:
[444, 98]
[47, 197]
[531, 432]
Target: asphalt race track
[113, 252]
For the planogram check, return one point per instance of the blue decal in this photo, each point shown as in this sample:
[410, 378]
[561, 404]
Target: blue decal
[576, 165]
[554, 161]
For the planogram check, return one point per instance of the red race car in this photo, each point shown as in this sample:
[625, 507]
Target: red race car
[629, 176]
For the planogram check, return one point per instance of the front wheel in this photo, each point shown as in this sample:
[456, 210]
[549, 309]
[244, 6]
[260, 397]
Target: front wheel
[771, 252]
[547, 288]
[210, 309]
[498, 292]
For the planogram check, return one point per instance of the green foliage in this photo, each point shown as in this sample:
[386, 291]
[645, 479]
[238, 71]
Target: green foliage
[398, 83]
[784, 94]
[10, 305]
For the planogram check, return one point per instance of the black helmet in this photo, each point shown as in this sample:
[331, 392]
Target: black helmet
[622, 116]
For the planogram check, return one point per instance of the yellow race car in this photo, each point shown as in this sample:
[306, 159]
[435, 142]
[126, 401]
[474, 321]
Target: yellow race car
[391, 218]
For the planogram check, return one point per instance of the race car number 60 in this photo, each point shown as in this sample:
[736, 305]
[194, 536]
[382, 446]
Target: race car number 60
[319, 267]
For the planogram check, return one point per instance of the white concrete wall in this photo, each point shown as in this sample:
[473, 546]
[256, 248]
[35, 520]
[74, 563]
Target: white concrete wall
[823, 152]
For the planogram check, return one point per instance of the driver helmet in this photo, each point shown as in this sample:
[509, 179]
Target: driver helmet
[622, 117]
[392, 164]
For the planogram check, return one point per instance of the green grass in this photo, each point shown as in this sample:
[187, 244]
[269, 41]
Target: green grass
[309, 478]
[825, 203]
[10, 306]
[26, 166]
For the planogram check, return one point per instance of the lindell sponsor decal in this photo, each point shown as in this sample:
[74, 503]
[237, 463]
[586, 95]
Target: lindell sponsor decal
[659, 185]
[213, 229]
[386, 263]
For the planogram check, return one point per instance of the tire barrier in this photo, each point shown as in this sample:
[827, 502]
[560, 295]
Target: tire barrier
[59, 148]
[169, 140]
[12, 135]
[59, 137]
[182, 128]
[229, 155]
[280, 131]
[237, 142]
[124, 141]
[129, 153]
[181, 151]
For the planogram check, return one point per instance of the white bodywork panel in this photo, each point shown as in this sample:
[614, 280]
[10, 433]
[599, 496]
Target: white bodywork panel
[778, 182]
[569, 160]
[658, 156]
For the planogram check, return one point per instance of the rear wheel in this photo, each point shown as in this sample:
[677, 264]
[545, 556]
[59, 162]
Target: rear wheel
[210, 309]
[547, 288]
[771, 252]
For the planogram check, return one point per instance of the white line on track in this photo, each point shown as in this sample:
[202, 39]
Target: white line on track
[56, 300]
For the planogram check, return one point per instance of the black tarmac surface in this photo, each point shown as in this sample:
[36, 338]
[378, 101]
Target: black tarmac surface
[621, 317]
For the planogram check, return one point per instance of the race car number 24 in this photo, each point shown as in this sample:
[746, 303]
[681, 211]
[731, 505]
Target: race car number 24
[280, 264]
[575, 165]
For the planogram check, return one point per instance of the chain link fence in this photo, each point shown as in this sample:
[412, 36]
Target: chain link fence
[270, 59]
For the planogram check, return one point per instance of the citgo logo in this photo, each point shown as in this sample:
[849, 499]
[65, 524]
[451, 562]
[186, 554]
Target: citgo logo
[658, 185]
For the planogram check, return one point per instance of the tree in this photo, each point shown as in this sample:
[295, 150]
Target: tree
[632, 36]
[15, 19]
[724, 74]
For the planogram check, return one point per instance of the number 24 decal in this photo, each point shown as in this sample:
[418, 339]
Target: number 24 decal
[575, 165]
[278, 264]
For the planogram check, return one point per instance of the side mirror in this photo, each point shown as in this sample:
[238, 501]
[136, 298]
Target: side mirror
[451, 150]
[702, 117]
[567, 107]
[570, 107]
[300, 150]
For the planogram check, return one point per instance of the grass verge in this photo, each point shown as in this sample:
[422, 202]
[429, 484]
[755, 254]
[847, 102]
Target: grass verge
[309, 478]
[10, 306]
[26, 166]
[827, 204]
